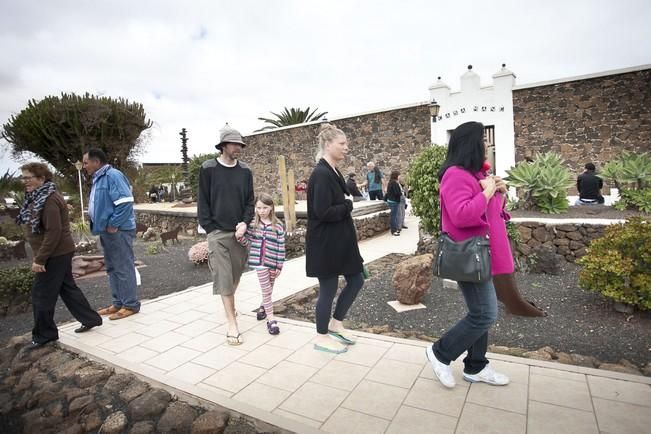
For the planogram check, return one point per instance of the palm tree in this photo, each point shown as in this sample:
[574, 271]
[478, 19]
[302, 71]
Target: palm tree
[291, 116]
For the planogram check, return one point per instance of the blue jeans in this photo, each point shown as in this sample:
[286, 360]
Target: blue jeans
[119, 261]
[471, 332]
[395, 216]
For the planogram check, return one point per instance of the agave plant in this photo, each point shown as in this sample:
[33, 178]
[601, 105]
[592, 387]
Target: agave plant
[629, 170]
[544, 182]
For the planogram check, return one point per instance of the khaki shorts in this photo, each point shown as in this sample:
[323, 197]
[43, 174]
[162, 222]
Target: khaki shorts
[227, 260]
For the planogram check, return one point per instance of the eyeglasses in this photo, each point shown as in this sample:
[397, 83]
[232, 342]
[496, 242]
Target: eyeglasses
[26, 178]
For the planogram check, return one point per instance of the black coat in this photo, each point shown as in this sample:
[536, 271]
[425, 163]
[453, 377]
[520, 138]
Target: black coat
[331, 239]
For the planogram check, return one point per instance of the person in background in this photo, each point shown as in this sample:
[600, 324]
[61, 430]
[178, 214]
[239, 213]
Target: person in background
[589, 186]
[331, 248]
[353, 189]
[403, 206]
[394, 198]
[44, 217]
[374, 182]
[110, 209]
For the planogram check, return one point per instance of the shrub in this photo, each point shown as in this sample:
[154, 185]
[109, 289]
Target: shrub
[16, 283]
[618, 265]
[199, 253]
[193, 171]
[154, 248]
[423, 176]
[544, 183]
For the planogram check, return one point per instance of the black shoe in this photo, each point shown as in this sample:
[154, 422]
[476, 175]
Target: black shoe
[404, 227]
[33, 345]
[83, 328]
[261, 314]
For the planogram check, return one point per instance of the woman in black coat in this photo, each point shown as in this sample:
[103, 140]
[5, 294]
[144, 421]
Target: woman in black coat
[331, 242]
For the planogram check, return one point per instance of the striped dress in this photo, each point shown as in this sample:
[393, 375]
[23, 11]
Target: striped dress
[266, 245]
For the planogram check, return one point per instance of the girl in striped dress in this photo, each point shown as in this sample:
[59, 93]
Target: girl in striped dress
[265, 238]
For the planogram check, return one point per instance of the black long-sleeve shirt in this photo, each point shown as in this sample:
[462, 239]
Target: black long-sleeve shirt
[394, 192]
[225, 195]
[589, 185]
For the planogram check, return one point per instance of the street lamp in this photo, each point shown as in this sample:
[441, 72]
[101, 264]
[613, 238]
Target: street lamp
[78, 166]
[434, 109]
[174, 187]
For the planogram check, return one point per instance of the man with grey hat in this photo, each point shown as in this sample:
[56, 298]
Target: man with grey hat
[225, 208]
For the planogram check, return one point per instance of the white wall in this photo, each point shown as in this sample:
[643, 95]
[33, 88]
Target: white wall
[490, 105]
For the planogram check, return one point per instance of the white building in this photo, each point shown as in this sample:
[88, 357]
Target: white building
[491, 105]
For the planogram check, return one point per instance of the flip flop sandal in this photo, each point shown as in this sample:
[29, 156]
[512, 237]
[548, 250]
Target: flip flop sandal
[234, 340]
[272, 327]
[261, 314]
[329, 350]
[340, 337]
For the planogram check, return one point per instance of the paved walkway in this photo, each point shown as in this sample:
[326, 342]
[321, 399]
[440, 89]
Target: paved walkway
[382, 385]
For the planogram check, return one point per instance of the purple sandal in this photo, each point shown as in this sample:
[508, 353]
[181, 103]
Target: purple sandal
[272, 327]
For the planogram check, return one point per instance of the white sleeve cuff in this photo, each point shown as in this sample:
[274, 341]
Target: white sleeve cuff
[123, 200]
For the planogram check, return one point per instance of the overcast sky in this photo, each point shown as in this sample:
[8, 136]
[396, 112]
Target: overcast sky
[199, 64]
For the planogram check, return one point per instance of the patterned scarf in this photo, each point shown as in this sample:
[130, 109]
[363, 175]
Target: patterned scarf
[30, 212]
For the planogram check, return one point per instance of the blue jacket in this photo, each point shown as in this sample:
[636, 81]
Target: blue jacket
[112, 202]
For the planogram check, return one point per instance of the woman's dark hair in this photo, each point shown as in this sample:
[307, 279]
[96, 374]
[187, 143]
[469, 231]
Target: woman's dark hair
[466, 148]
[39, 170]
[97, 154]
[377, 175]
[394, 175]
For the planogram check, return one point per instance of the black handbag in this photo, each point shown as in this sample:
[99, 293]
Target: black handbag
[463, 261]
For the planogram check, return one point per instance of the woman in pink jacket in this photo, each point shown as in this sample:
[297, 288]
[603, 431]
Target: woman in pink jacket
[471, 204]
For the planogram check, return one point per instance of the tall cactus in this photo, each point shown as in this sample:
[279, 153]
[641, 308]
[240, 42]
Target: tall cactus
[60, 128]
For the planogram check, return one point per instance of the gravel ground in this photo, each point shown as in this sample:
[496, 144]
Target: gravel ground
[166, 272]
[579, 321]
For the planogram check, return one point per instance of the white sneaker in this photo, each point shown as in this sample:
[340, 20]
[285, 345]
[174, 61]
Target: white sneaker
[487, 375]
[442, 371]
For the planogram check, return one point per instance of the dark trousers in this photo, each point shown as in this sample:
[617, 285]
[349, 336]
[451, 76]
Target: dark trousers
[327, 292]
[58, 281]
[471, 333]
[375, 194]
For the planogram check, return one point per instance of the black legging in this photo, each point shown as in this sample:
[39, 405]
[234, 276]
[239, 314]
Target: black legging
[48, 286]
[327, 292]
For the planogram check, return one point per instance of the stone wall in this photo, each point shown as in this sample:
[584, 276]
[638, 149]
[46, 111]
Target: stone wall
[367, 226]
[391, 138]
[584, 120]
[566, 240]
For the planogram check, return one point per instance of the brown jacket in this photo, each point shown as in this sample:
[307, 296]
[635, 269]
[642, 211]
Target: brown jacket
[55, 238]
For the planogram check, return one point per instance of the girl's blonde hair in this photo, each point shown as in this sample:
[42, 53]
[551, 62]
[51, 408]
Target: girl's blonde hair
[327, 133]
[268, 200]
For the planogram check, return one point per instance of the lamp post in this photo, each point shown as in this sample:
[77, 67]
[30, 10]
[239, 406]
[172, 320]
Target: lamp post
[78, 166]
[434, 108]
[173, 188]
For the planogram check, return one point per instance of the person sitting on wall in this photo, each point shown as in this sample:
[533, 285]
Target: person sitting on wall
[589, 186]
[353, 189]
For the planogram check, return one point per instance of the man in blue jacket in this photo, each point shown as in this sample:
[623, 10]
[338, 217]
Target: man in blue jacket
[110, 209]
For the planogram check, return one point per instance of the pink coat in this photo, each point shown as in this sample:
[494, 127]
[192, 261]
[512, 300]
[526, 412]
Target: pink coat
[466, 213]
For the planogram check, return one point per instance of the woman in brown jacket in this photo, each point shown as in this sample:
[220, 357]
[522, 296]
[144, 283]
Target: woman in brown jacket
[44, 217]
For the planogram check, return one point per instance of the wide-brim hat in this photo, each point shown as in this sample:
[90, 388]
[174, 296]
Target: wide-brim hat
[229, 136]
